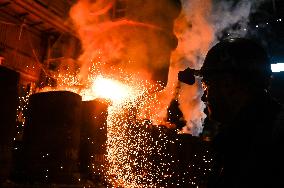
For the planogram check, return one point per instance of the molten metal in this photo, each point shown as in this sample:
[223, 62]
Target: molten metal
[112, 90]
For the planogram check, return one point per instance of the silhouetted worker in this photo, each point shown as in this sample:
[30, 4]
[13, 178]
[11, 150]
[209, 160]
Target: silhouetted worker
[250, 123]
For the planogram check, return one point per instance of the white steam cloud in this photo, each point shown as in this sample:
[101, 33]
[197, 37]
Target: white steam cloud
[201, 24]
[233, 16]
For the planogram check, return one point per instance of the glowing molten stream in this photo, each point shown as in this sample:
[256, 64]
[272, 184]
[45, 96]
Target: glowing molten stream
[110, 89]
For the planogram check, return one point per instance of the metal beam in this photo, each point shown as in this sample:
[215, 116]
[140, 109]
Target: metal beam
[46, 16]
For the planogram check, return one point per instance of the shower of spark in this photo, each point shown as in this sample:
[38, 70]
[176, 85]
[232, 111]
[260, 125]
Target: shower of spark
[131, 146]
[23, 104]
[135, 157]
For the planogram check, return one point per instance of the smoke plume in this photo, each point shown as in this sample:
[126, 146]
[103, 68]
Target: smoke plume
[142, 47]
[195, 35]
[201, 24]
[231, 18]
[135, 42]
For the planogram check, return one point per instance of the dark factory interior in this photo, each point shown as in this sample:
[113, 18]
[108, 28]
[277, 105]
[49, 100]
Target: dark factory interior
[52, 137]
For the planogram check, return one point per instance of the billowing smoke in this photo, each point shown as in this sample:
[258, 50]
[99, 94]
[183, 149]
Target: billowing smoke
[120, 40]
[200, 25]
[195, 35]
[117, 37]
[139, 43]
[231, 18]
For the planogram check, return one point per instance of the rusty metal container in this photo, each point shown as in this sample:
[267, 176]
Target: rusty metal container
[51, 138]
[93, 139]
[8, 110]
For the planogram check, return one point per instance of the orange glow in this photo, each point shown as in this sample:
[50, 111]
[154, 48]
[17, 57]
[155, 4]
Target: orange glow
[111, 89]
[119, 63]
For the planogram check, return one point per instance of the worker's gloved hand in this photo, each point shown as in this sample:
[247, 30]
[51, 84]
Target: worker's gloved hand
[187, 76]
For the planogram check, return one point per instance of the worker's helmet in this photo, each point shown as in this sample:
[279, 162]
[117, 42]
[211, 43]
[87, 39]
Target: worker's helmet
[238, 56]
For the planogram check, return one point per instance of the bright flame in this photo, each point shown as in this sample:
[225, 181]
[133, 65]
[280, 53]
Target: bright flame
[111, 89]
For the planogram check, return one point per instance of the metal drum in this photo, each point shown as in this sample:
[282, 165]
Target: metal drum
[8, 110]
[93, 139]
[51, 138]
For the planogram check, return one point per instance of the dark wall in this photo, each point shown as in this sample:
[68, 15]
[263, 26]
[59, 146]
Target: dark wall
[8, 109]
